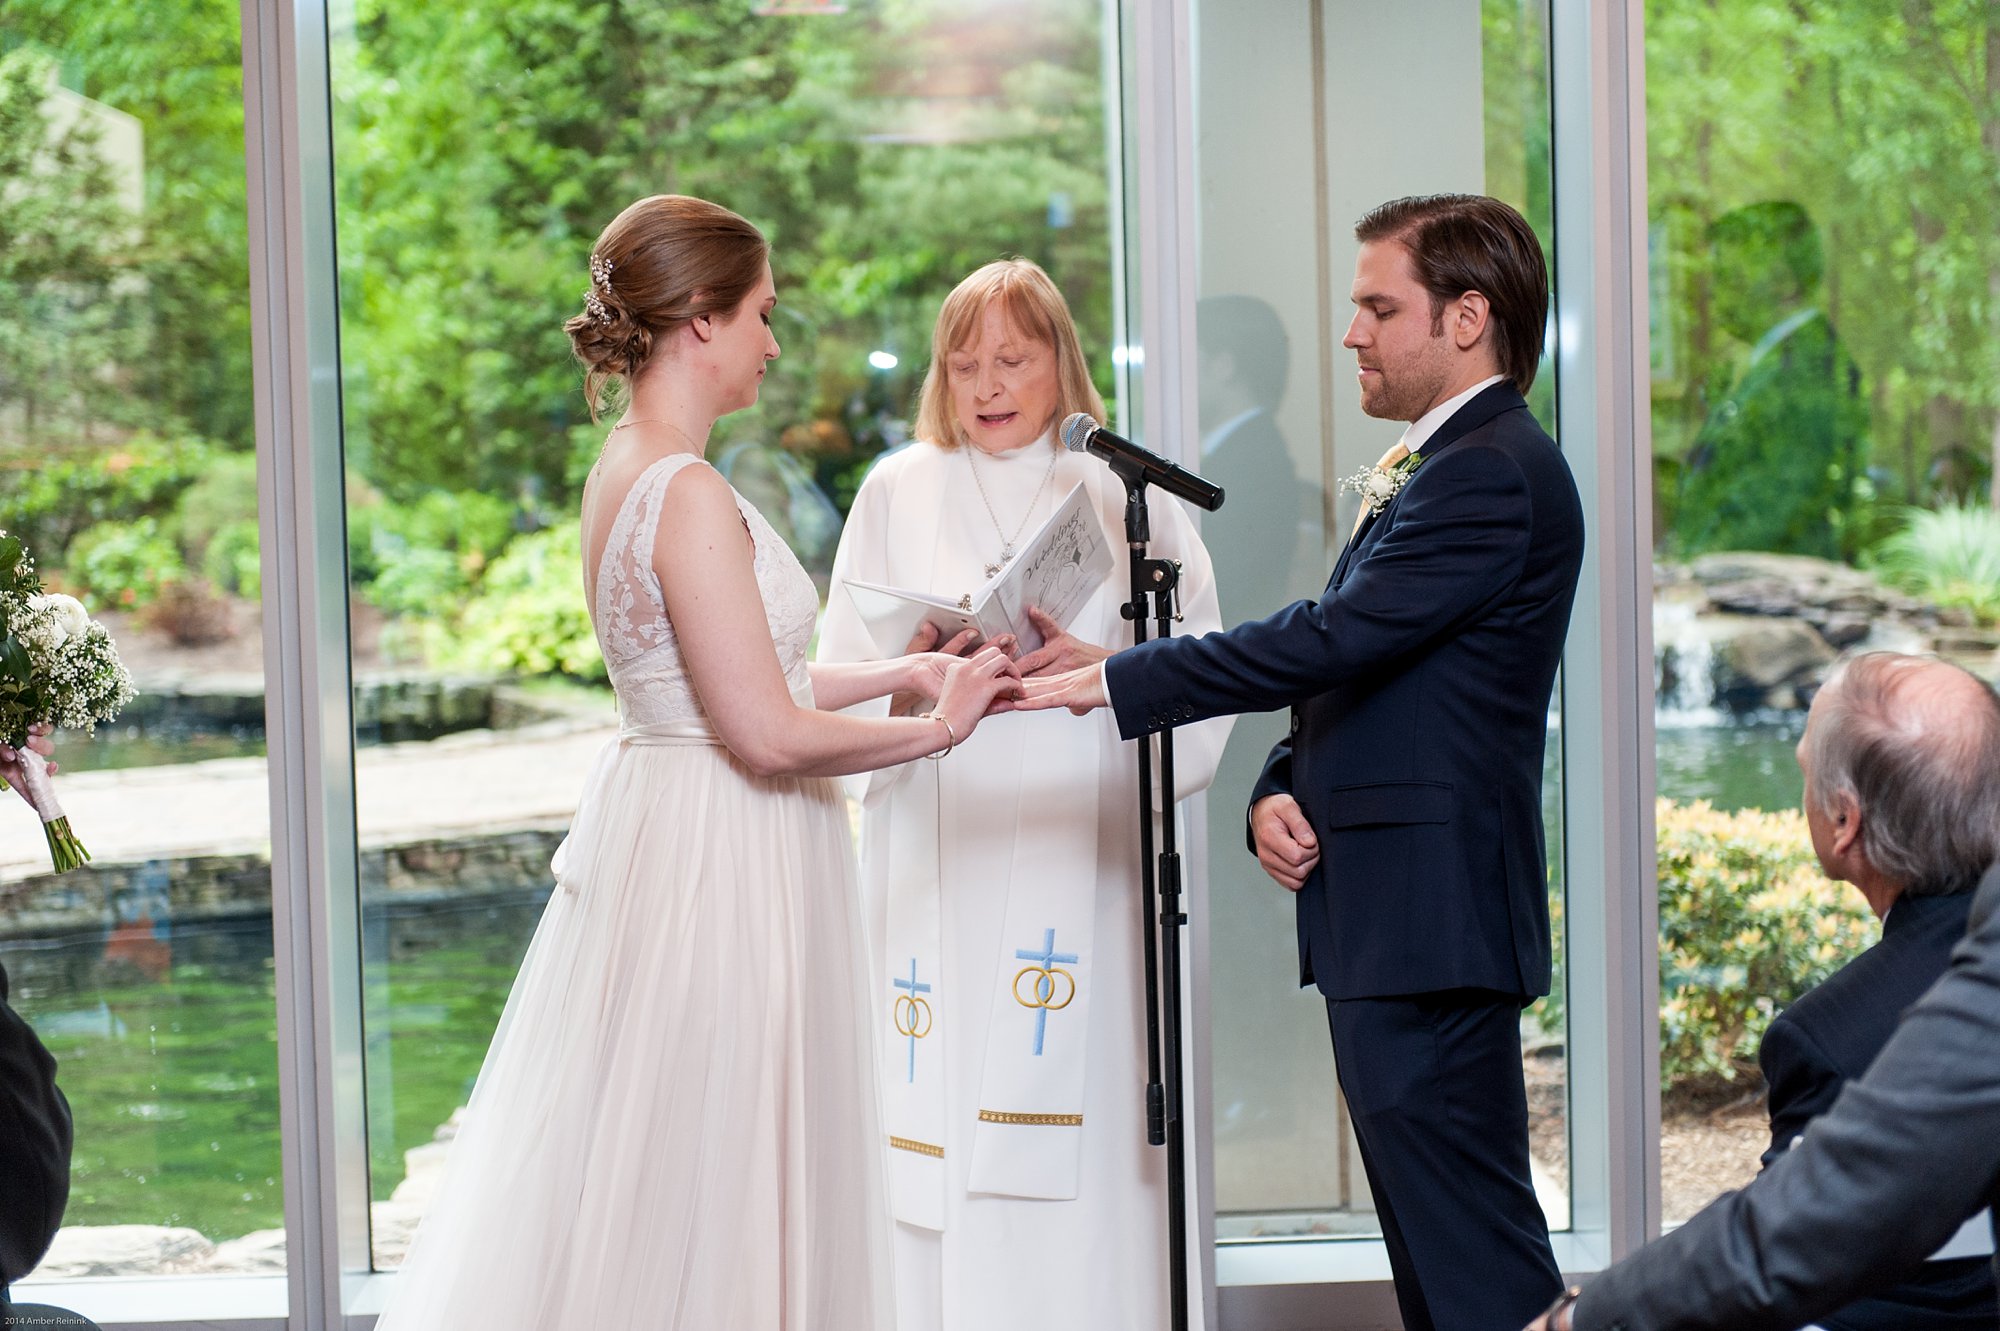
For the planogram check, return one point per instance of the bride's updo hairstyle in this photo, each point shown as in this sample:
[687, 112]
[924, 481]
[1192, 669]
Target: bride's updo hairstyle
[662, 263]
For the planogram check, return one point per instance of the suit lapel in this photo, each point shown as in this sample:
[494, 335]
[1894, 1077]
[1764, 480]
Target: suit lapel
[1499, 398]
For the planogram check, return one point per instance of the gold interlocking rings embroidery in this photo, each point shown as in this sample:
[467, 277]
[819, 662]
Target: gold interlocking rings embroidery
[913, 1016]
[1044, 992]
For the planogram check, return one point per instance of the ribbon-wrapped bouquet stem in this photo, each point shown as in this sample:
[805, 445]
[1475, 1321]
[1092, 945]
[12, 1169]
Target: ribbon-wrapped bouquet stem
[57, 667]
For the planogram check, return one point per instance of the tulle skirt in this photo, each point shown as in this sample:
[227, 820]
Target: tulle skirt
[676, 1126]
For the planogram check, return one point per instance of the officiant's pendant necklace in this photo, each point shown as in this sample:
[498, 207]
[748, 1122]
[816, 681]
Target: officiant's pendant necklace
[1006, 541]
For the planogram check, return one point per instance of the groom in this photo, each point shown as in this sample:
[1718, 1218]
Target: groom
[1405, 808]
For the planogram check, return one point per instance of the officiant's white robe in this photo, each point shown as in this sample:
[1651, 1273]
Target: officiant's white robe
[1002, 1263]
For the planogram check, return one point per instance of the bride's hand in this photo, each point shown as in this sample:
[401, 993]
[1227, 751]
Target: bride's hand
[972, 686]
[927, 669]
[10, 758]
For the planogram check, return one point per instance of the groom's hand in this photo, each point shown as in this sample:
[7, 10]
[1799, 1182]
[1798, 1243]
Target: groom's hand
[1081, 691]
[1286, 846]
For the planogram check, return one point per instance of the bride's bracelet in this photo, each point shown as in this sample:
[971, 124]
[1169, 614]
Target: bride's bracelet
[951, 736]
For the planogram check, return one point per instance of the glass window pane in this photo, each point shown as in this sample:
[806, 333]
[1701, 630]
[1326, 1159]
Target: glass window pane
[1281, 421]
[1824, 437]
[886, 151]
[127, 464]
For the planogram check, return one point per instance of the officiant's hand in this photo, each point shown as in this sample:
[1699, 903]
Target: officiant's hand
[39, 739]
[1286, 846]
[1082, 691]
[1061, 651]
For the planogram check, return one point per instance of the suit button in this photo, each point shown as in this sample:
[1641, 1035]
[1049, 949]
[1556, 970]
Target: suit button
[1295, 723]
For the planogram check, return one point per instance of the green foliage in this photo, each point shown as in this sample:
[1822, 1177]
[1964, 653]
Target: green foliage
[48, 500]
[233, 559]
[481, 147]
[529, 616]
[224, 495]
[1949, 557]
[467, 523]
[1747, 924]
[1882, 122]
[123, 564]
[63, 313]
[183, 332]
[419, 583]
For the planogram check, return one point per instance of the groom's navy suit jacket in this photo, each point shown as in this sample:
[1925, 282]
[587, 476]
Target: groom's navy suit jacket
[1419, 684]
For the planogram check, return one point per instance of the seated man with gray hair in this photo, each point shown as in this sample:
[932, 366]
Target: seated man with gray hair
[1902, 765]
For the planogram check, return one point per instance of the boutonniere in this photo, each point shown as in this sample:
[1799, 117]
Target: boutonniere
[1377, 485]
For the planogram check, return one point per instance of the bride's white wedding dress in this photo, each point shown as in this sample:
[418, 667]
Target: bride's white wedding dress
[675, 1127]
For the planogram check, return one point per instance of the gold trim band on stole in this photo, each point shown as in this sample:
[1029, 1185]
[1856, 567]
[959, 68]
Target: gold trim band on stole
[921, 1148]
[1031, 1120]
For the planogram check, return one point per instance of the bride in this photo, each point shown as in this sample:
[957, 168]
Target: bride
[675, 1126]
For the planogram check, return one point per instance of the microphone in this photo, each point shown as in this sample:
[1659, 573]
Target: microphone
[1082, 434]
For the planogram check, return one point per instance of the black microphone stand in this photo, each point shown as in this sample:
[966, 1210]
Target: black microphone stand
[1159, 580]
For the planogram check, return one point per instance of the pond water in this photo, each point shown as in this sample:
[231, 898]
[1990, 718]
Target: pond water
[119, 745]
[1747, 764]
[165, 1038]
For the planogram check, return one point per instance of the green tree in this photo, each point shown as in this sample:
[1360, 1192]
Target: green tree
[63, 238]
[1882, 119]
[177, 66]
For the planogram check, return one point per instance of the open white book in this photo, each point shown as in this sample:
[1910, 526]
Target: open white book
[1056, 571]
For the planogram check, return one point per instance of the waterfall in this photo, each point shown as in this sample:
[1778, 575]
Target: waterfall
[1684, 658]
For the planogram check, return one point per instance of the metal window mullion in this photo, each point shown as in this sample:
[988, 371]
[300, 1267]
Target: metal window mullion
[1604, 391]
[294, 335]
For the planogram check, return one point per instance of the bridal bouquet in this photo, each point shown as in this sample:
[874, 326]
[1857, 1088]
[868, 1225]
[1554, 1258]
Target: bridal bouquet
[57, 665]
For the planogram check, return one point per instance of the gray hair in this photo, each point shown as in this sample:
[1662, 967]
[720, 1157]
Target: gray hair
[1922, 765]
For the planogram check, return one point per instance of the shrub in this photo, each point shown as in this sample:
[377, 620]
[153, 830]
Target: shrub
[123, 564]
[422, 581]
[226, 496]
[1747, 924]
[233, 560]
[528, 616]
[50, 503]
[189, 612]
[1950, 556]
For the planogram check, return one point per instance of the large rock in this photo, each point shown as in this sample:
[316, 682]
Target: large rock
[1758, 662]
[258, 1253]
[87, 1252]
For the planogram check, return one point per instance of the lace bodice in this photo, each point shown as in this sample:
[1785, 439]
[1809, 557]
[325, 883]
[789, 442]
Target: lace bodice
[630, 614]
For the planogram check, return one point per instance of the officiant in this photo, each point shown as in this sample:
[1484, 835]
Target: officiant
[1002, 882]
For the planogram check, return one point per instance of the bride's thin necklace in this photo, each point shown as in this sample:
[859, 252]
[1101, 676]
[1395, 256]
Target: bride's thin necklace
[1006, 541]
[657, 420]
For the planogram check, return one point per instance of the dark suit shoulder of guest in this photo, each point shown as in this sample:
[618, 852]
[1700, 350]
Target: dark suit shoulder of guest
[34, 1145]
[1834, 1031]
[1420, 682]
[1907, 1153]
[1830, 1036]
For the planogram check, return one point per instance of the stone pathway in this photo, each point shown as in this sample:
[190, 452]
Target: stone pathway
[474, 782]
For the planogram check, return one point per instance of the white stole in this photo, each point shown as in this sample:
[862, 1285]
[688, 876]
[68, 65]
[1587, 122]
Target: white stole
[1027, 1139]
[912, 1047]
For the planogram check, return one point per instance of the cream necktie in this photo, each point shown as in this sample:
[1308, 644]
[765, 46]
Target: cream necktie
[1389, 459]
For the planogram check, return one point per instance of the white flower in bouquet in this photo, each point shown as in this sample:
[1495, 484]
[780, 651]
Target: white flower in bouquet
[57, 666]
[68, 613]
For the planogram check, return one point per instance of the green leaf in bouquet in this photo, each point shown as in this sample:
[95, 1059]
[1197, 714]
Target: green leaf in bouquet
[14, 663]
[10, 564]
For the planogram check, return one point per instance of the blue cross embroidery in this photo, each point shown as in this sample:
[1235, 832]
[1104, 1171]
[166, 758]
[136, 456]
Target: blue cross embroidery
[1043, 994]
[919, 1023]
